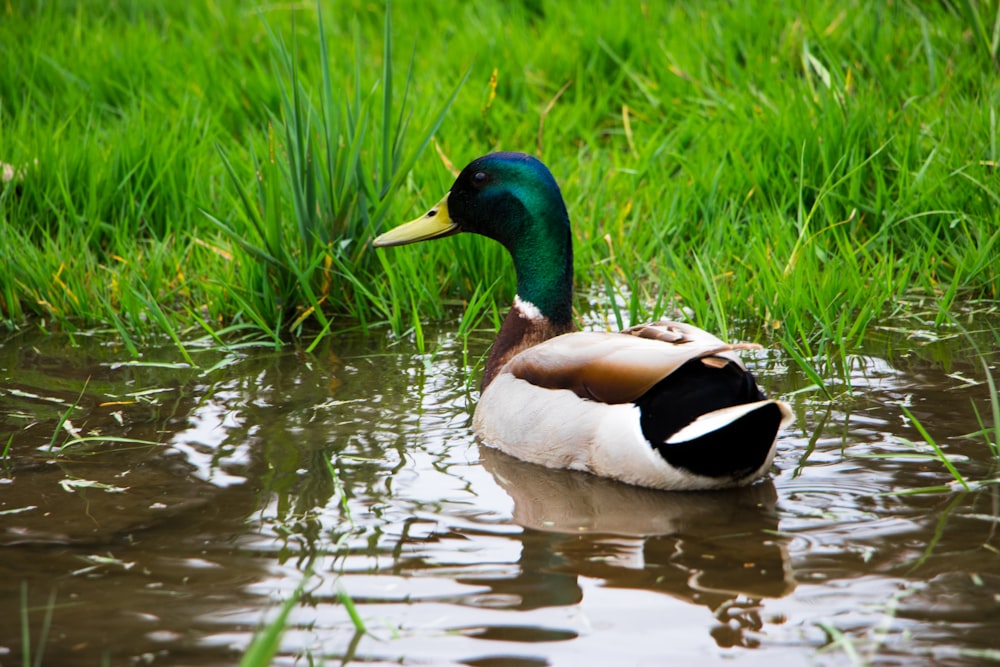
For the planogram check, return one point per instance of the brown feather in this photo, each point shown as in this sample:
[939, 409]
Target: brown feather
[612, 368]
[517, 334]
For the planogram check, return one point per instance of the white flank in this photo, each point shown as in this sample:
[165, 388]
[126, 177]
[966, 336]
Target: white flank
[558, 429]
[527, 310]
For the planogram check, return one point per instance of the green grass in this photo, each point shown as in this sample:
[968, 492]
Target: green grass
[784, 171]
[43, 633]
[990, 434]
[267, 640]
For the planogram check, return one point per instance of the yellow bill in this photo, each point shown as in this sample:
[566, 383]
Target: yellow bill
[431, 225]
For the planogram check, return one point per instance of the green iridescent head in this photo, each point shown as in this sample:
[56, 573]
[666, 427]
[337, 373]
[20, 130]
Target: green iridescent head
[511, 198]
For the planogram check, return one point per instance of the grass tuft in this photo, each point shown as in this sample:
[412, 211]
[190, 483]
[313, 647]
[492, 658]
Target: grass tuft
[324, 187]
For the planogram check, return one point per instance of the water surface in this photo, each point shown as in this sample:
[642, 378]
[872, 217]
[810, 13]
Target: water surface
[191, 502]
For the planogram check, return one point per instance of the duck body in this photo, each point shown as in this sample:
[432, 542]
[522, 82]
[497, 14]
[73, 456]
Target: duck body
[668, 407]
[663, 405]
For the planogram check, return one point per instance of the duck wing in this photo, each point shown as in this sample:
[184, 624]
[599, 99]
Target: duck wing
[621, 367]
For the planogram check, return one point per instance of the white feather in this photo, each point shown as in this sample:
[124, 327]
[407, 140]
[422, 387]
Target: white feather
[527, 310]
[713, 421]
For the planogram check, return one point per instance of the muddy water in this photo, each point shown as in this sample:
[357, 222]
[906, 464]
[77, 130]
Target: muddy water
[157, 514]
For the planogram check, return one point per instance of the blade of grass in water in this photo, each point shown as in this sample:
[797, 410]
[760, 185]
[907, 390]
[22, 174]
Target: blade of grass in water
[942, 457]
[64, 417]
[352, 611]
[995, 409]
[43, 635]
[267, 642]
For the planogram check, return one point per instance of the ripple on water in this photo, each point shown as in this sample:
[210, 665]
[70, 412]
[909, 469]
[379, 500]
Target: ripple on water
[459, 555]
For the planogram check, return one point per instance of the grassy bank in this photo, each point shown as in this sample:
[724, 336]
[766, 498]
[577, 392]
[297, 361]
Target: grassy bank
[806, 171]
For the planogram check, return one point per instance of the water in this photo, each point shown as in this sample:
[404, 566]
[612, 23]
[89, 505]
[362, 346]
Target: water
[176, 553]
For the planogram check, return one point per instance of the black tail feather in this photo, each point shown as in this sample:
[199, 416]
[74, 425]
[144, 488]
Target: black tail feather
[734, 451]
[696, 389]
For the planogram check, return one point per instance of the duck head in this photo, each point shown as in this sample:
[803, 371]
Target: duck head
[511, 198]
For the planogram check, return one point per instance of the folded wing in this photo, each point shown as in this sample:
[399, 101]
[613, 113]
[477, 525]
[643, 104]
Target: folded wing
[620, 367]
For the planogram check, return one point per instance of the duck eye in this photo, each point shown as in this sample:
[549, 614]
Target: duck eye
[480, 178]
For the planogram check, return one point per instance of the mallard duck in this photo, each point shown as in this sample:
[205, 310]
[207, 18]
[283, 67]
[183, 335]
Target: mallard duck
[663, 405]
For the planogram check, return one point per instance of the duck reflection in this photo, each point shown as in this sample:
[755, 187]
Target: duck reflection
[718, 549]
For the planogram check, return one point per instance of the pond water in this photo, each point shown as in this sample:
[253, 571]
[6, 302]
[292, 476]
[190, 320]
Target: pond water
[352, 471]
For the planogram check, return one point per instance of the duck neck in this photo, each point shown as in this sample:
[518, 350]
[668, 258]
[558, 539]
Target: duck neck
[543, 306]
[523, 327]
